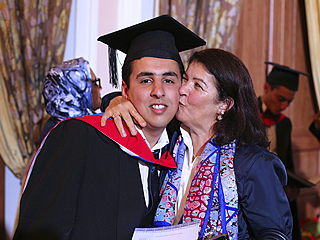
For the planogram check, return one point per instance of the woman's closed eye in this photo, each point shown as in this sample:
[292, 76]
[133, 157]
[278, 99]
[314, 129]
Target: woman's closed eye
[197, 85]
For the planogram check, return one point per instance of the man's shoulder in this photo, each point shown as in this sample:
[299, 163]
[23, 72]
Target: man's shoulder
[90, 120]
[71, 127]
[286, 119]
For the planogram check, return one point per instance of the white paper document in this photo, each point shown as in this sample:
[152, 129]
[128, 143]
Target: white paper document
[186, 231]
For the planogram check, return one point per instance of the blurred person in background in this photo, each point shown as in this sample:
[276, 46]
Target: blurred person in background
[279, 91]
[71, 89]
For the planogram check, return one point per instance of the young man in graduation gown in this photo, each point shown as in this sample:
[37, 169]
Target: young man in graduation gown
[87, 182]
[279, 91]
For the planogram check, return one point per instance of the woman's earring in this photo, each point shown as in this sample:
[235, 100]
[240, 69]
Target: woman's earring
[220, 116]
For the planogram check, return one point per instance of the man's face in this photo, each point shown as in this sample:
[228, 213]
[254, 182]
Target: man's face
[154, 90]
[277, 99]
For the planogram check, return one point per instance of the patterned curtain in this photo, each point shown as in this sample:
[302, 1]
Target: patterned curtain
[215, 21]
[313, 25]
[32, 39]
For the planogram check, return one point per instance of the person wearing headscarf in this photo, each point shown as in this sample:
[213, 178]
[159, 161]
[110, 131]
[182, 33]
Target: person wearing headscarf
[71, 89]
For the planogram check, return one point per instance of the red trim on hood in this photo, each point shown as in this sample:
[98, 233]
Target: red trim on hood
[135, 144]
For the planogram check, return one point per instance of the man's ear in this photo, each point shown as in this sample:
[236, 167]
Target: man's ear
[124, 90]
[266, 88]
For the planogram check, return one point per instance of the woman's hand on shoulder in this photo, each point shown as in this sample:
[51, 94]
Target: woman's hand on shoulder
[122, 109]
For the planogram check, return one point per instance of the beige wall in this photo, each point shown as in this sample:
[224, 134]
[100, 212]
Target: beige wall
[108, 22]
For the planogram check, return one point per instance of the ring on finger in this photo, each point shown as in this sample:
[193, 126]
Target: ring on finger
[116, 115]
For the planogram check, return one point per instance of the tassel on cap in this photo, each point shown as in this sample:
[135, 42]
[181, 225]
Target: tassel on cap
[113, 71]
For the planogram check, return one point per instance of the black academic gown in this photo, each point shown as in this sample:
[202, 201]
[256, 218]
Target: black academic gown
[284, 147]
[284, 151]
[82, 186]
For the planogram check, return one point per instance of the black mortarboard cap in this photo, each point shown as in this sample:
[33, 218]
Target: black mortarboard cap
[161, 37]
[284, 76]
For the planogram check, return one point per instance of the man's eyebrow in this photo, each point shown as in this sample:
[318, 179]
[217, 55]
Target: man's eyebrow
[144, 74]
[173, 74]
